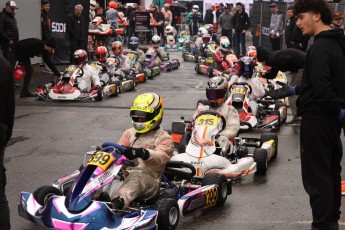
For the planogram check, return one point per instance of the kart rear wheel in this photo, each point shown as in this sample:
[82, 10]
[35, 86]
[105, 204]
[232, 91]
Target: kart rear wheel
[197, 69]
[260, 157]
[168, 213]
[270, 136]
[44, 193]
[100, 94]
[210, 72]
[222, 183]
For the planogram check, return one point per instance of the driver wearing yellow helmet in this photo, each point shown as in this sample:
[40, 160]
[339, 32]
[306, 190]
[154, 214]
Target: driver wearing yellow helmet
[147, 142]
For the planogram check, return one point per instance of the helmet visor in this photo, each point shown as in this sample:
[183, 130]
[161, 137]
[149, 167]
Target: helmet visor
[226, 45]
[140, 116]
[215, 94]
[157, 42]
[99, 56]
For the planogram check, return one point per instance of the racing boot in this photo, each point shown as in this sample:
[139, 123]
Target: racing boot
[118, 203]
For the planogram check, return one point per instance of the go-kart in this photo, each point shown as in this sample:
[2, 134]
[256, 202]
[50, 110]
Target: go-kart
[183, 39]
[139, 74]
[204, 153]
[66, 88]
[208, 66]
[171, 44]
[150, 65]
[170, 65]
[79, 200]
[271, 114]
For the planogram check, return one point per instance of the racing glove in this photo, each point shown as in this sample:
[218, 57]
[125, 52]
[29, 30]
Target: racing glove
[133, 153]
[224, 143]
[285, 91]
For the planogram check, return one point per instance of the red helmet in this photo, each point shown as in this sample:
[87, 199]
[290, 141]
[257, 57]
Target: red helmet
[80, 57]
[112, 5]
[206, 38]
[117, 47]
[101, 53]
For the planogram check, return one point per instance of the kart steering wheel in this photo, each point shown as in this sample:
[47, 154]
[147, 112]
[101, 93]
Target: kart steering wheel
[211, 112]
[114, 147]
[117, 62]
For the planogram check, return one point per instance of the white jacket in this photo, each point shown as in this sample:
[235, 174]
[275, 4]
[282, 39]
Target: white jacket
[90, 75]
[254, 82]
[229, 113]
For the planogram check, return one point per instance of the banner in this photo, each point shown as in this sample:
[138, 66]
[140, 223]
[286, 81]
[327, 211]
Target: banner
[142, 21]
[58, 13]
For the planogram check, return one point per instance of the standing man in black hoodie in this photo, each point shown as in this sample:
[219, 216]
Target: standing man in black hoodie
[240, 24]
[33, 47]
[9, 34]
[321, 104]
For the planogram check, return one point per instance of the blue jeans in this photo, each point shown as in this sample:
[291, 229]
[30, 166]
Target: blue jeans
[240, 38]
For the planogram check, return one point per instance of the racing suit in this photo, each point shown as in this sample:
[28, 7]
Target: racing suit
[161, 55]
[144, 180]
[137, 65]
[257, 87]
[220, 55]
[231, 117]
[89, 76]
[121, 70]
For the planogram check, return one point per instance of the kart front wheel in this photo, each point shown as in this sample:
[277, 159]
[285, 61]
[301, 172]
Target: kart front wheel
[270, 136]
[100, 94]
[220, 180]
[260, 157]
[44, 193]
[168, 213]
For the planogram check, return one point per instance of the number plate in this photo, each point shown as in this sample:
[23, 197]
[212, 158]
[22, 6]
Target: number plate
[207, 120]
[239, 90]
[101, 159]
[70, 68]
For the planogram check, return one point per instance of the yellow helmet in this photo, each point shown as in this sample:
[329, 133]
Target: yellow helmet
[147, 112]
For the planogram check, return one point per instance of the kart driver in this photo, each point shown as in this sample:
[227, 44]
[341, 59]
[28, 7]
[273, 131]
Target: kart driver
[150, 145]
[162, 55]
[223, 50]
[217, 100]
[106, 73]
[89, 73]
[120, 60]
[133, 45]
[244, 72]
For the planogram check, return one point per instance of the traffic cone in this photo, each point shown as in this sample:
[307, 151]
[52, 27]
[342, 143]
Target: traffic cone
[343, 188]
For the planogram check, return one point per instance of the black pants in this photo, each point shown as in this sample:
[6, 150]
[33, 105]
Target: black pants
[321, 153]
[75, 45]
[9, 53]
[28, 69]
[227, 33]
[275, 43]
[4, 209]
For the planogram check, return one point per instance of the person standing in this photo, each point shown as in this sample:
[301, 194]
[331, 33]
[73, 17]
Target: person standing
[9, 33]
[338, 21]
[131, 20]
[240, 25]
[289, 25]
[276, 27]
[193, 20]
[33, 47]
[321, 103]
[7, 108]
[224, 22]
[45, 22]
[75, 31]
[220, 10]
[210, 15]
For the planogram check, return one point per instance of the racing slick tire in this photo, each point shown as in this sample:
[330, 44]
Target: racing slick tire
[260, 157]
[100, 94]
[279, 105]
[169, 68]
[221, 181]
[210, 72]
[270, 136]
[197, 69]
[44, 193]
[168, 213]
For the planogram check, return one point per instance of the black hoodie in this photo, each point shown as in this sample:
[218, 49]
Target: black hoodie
[322, 92]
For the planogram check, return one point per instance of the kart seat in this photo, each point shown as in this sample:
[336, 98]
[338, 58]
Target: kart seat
[178, 169]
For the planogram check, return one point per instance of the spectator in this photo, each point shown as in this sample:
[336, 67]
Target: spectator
[7, 108]
[210, 15]
[321, 103]
[112, 15]
[131, 20]
[75, 31]
[167, 15]
[176, 18]
[158, 18]
[9, 34]
[100, 13]
[338, 20]
[193, 20]
[224, 22]
[240, 25]
[295, 40]
[276, 27]
[45, 22]
[220, 10]
[33, 47]
[92, 10]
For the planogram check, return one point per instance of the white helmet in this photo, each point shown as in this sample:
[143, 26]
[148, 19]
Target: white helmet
[92, 4]
[224, 44]
[169, 30]
[156, 41]
[202, 31]
[195, 8]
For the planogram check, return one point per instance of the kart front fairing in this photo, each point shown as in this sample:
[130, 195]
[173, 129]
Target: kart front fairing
[96, 216]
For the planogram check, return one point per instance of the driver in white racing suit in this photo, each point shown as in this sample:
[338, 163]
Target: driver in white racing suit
[121, 61]
[150, 145]
[244, 72]
[90, 74]
[217, 95]
[162, 55]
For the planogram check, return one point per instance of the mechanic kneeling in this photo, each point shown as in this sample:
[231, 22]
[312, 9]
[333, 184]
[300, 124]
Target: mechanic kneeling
[217, 100]
[150, 144]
